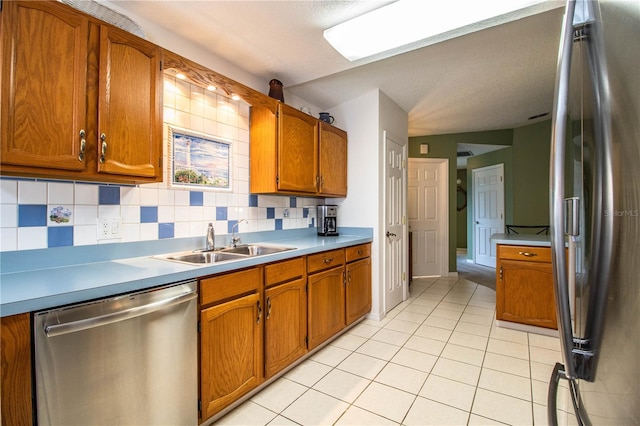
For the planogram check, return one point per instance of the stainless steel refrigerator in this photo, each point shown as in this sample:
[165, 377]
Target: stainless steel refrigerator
[595, 215]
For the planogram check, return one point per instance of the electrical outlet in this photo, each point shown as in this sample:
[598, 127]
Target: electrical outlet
[109, 228]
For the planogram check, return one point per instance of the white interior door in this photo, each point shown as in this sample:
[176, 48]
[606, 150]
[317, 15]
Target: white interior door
[488, 211]
[395, 229]
[429, 215]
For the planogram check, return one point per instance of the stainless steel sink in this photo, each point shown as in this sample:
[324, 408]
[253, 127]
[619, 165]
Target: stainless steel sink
[255, 249]
[224, 255]
[202, 257]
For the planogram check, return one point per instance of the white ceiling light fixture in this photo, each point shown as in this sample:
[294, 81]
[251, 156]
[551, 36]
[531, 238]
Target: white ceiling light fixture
[411, 23]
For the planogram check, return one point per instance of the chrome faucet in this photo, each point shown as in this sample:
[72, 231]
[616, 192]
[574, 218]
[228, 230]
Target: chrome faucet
[235, 240]
[211, 235]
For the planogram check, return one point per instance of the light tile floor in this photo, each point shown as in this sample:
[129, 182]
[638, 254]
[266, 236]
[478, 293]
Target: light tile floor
[436, 359]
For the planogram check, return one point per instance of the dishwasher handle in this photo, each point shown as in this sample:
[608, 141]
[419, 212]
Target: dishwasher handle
[112, 317]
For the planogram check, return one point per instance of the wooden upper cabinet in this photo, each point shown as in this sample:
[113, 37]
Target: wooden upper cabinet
[294, 153]
[130, 105]
[67, 79]
[297, 150]
[44, 80]
[333, 161]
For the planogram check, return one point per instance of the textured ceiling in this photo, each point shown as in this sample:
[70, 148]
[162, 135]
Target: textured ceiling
[479, 79]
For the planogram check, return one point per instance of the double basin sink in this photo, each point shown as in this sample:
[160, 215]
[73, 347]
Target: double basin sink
[238, 252]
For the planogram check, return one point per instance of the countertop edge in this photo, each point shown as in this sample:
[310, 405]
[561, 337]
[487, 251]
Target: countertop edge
[521, 239]
[104, 279]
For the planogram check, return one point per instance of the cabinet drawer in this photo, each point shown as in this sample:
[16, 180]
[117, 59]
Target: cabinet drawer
[286, 270]
[225, 286]
[357, 252]
[528, 253]
[327, 259]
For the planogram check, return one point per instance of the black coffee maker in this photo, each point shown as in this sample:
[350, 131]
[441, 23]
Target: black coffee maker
[327, 220]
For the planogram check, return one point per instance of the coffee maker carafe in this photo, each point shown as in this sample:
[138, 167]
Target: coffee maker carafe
[327, 220]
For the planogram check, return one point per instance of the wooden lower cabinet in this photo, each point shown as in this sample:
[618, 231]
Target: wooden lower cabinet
[231, 345]
[326, 305]
[524, 286]
[15, 359]
[285, 325]
[358, 290]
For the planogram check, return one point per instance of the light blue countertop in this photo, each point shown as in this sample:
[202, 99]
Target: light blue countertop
[522, 239]
[42, 279]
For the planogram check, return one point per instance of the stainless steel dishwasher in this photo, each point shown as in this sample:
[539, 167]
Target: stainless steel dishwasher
[125, 360]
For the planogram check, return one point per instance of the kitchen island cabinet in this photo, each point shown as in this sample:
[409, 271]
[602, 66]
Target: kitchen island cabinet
[230, 338]
[85, 104]
[524, 286]
[294, 153]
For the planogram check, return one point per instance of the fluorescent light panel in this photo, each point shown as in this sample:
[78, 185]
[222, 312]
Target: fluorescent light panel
[409, 21]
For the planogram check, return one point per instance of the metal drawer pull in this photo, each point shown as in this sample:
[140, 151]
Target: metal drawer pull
[329, 260]
[259, 313]
[83, 144]
[360, 252]
[103, 138]
[526, 253]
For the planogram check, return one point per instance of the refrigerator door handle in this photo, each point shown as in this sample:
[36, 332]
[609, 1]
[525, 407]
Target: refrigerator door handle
[557, 171]
[552, 398]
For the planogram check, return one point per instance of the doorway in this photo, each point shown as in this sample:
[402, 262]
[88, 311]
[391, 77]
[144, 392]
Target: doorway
[395, 237]
[428, 208]
[488, 211]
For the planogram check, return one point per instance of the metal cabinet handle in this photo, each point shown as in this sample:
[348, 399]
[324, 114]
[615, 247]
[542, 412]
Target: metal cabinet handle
[327, 261]
[83, 144]
[349, 277]
[103, 151]
[360, 252]
[268, 307]
[259, 312]
[526, 253]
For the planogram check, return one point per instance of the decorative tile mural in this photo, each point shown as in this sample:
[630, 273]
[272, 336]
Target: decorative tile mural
[36, 213]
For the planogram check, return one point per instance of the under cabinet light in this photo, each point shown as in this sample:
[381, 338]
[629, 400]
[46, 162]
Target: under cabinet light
[211, 88]
[181, 76]
[406, 22]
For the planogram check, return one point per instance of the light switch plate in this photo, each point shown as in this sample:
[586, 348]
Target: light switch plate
[424, 148]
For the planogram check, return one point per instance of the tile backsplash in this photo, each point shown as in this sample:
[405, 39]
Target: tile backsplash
[37, 213]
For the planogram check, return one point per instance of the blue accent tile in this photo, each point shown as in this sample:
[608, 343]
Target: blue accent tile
[305, 212]
[278, 224]
[109, 195]
[293, 202]
[230, 225]
[253, 200]
[32, 215]
[221, 213]
[165, 230]
[59, 236]
[271, 212]
[196, 198]
[148, 214]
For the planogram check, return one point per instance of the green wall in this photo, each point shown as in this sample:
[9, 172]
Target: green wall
[445, 146]
[526, 171]
[461, 216]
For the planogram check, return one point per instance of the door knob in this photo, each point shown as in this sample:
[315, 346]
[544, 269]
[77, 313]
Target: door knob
[391, 234]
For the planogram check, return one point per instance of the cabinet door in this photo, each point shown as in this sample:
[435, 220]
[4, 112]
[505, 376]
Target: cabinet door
[333, 161]
[130, 105]
[230, 352]
[524, 293]
[44, 80]
[297, 151]
[285, 325]
[326, 305]
[358, 289]
[16, 391]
